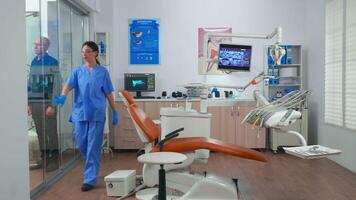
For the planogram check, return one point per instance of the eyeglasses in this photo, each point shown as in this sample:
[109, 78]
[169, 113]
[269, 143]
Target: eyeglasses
[88, 51]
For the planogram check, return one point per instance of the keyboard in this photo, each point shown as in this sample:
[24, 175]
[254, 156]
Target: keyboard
[145, 97]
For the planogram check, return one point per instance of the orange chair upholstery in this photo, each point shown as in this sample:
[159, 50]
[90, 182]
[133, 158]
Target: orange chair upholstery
[129, 100]
[152, 132]
[127, 97]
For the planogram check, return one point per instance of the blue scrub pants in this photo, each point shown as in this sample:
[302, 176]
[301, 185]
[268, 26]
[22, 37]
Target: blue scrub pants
[88, 137]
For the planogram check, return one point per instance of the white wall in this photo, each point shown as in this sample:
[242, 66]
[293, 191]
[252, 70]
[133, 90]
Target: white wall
[103, 22]
[179, 23]
[328, 135]
[14, 167]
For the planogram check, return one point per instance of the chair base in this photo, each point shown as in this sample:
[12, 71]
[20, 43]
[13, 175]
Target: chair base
[151, 193]
[197, 186]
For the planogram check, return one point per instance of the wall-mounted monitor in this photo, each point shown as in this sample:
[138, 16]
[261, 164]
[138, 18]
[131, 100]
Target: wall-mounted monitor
[234, 57]
[139, 82]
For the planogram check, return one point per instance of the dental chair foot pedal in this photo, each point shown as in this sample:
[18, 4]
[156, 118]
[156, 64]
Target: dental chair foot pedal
[120, 182]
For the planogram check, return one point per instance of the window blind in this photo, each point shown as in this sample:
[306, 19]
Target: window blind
[333, 113]
[350, 65]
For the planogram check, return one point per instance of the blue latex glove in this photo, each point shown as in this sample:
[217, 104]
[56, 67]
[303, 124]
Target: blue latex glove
[59, 100]
[115, 118]
[214, 90]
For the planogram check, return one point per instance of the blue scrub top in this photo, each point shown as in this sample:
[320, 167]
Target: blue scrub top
[44, 78]
[44, 60]
[90, 90]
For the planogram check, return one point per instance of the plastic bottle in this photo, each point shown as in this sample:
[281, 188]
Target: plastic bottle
[275, 72]
[101, 47]
[270, 70]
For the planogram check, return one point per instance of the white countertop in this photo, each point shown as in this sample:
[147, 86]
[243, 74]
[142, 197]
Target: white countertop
[210, 101]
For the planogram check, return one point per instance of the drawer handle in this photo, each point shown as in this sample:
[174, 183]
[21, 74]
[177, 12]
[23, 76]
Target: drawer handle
[129, 140]
[128, 129]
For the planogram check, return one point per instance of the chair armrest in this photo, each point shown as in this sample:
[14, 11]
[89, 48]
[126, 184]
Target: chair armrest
[169, 136]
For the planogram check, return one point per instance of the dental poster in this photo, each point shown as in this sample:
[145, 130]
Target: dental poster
[211, 67]
[144, 41]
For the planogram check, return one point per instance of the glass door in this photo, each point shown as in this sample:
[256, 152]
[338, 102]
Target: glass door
[65, 54]
[55, 32]
[72, 33]
[33, 30]
[43, 83]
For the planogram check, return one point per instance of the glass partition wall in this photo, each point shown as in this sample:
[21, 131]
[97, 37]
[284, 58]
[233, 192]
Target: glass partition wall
[55, 32]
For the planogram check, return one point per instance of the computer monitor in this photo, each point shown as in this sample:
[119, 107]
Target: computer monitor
[139, 82]
[234, 57]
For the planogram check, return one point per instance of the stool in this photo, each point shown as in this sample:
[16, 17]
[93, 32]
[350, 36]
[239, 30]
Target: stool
[162, 158]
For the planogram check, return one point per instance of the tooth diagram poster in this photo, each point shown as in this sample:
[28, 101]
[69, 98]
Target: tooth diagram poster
[144, 41]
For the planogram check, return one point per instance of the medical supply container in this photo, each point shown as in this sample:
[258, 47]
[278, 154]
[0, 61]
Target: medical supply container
[120, 182]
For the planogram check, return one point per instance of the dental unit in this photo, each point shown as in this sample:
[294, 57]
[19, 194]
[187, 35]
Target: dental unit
[193, 186]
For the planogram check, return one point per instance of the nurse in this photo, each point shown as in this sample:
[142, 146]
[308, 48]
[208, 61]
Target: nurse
[92, 86]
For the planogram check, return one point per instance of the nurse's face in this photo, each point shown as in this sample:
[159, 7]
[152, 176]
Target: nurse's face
[88, 54]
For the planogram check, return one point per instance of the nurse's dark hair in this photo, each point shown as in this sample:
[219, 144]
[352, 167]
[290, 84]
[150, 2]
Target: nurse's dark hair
[94, 47]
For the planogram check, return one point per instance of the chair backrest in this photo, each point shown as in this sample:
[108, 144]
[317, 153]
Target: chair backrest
[127, 98]
[148, 131]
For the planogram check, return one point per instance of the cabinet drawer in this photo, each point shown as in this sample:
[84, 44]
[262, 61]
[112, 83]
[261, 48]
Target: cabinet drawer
[127, 139]
[126, 123]
[129, 145]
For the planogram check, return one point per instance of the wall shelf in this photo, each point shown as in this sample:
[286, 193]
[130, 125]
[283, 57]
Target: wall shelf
[102, 40]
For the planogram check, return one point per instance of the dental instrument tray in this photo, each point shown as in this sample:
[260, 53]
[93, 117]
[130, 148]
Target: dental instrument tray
[311, 151]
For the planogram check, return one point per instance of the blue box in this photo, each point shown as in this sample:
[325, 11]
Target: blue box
[276, 81]
[271, 81]
[289, 56]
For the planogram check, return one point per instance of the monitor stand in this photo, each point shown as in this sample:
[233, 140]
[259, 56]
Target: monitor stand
[139, 96]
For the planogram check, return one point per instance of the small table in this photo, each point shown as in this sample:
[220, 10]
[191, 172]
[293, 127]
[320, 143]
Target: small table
[162, 158]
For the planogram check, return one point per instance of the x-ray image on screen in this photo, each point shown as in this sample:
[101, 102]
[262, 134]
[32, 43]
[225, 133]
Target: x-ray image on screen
[234, 57]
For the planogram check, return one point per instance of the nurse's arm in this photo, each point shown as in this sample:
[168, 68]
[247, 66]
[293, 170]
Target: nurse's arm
[110, 98]
[66, 89]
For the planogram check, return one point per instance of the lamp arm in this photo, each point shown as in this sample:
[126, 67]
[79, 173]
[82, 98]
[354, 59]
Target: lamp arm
[258, 78]
[278, 33]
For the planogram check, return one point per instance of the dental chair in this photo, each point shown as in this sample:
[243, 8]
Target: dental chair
[193, 186]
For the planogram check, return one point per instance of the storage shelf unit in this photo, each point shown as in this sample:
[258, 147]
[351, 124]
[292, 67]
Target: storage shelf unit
[288, 77]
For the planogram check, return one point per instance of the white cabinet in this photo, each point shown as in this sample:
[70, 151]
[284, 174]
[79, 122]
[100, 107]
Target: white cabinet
[226, 126]
[288, 76]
